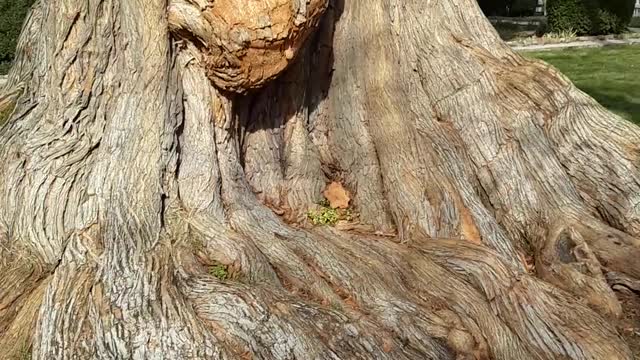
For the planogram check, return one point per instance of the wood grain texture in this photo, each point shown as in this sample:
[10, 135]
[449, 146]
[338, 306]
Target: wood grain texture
[493, 203]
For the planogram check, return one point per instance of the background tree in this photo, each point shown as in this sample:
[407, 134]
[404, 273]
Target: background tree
[159, 161]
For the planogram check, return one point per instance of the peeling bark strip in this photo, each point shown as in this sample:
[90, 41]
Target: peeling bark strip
[159, 159]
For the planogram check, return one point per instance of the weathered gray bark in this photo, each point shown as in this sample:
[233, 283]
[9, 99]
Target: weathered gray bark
[151, 141]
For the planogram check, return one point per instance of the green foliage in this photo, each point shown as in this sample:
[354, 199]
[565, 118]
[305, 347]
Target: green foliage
[569, 35]
[635, 22]
[615, 15]
[579, 16]
[220, 271]
[12, 14]
[589, 17]
[609, 23]
[324, 216]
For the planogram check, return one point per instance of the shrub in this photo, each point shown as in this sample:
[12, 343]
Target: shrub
[615, 15]
[589, 17]
[572, 15]
[12, 14]
[608, 23]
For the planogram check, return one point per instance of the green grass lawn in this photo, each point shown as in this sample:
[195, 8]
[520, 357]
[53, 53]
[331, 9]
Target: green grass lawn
[611, 75]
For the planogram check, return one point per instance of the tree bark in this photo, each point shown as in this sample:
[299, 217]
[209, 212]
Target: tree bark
[150, 143]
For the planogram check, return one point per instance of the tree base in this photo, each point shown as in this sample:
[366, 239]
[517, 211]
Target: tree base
[154, 200]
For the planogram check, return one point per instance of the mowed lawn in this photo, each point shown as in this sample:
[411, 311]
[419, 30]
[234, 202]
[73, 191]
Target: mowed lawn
[611, 75]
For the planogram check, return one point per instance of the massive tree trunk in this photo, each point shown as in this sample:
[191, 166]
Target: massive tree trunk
[159, 161]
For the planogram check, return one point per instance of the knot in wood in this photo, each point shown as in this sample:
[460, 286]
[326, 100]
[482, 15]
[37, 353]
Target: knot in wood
[245, 43]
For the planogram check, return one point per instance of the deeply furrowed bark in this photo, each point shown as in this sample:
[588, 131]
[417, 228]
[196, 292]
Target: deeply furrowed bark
[152, 142]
